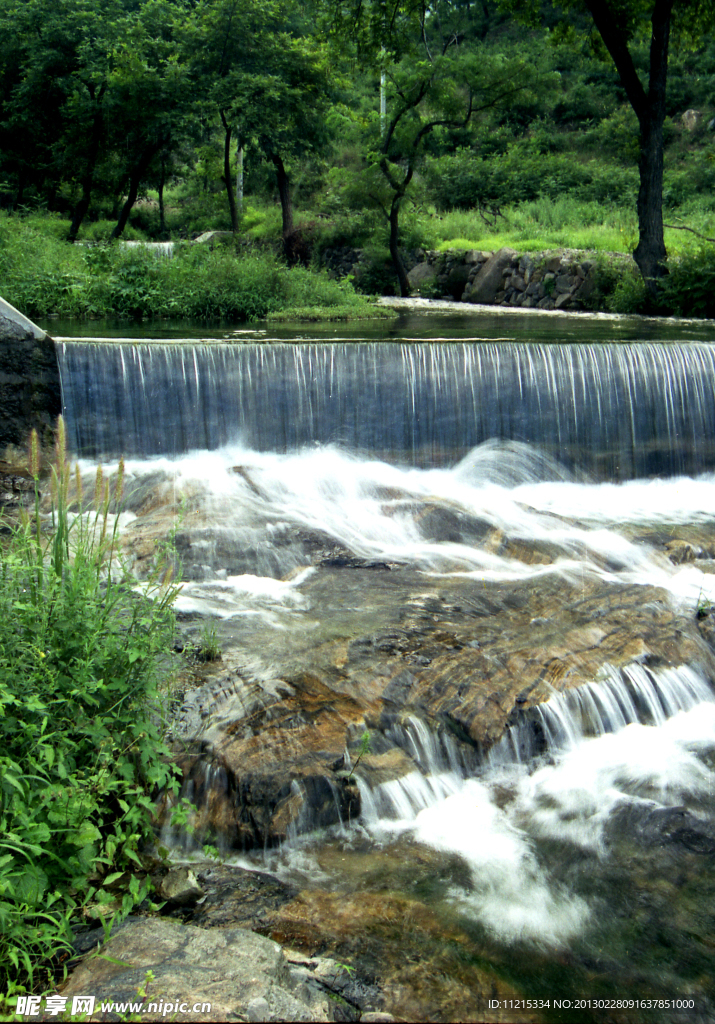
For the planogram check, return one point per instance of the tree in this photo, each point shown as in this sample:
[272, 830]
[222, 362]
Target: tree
[269, 86]
[284, 113]
[438, 77]
[57, 87]
[151, 96]
[621, 24]
[92, 90]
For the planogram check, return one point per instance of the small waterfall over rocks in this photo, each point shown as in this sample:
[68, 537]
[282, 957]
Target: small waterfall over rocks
[632, 695]
[616, 411]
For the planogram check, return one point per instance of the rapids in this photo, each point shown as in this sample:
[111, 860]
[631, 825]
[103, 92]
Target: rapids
[496, 558]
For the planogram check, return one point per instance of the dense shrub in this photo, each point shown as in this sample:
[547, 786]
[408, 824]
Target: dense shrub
[81, 750]
[689, 288]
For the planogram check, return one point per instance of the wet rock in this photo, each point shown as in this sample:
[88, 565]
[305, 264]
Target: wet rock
[441, 523]
[425, 975]
[234, 898]
[665, 827]
[680, 551]
[706, 625]
[381, 648]
[16, 488]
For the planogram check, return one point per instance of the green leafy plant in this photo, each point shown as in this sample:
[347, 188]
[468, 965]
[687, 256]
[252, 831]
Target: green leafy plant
[208, 648]
[82, 754]
[362, 751]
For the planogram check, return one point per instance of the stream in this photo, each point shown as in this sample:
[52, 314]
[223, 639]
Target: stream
[460, 567]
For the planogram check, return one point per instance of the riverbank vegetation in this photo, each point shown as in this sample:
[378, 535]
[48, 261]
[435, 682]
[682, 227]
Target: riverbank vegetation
[82, 757]
[43, 276]
[388, 128]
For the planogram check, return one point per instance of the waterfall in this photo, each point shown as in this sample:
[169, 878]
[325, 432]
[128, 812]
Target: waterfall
[617, 411]
[626, 697]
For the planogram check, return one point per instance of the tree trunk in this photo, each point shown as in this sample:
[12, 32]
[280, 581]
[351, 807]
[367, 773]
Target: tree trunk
[162, 179]
[228, 130]
[394, 248]
[239, 177]
[88, 177]
[134, 182]
[284, 193]
[19, 194]
[650, 253]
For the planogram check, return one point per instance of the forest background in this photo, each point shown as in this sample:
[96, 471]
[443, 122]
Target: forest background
[163, 119]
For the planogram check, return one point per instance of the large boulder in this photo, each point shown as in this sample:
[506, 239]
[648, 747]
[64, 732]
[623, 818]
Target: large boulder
[488, 282]
[30, 393]
[422, 278]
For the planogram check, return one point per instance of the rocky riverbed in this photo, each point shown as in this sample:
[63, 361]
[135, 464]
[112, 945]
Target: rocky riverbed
[270, 731]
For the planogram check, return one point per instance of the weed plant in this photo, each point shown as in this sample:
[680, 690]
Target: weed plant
[82, 754]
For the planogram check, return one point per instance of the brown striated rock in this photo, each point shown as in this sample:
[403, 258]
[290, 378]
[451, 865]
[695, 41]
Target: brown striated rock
[427, 974]
[463, 655]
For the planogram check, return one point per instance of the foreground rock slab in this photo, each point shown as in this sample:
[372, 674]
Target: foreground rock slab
[207, 974]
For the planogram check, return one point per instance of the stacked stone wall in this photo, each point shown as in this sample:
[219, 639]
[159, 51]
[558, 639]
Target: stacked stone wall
[552, 280]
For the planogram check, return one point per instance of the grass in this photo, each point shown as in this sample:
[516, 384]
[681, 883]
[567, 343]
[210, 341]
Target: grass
[324, 314]
[43, 275]
[561, 223]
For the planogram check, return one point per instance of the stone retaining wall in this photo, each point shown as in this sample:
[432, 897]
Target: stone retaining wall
[555, 279]
[30, 393]
[562, 279]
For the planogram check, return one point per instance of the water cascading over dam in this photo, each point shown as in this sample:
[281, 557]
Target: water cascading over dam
[615, 411]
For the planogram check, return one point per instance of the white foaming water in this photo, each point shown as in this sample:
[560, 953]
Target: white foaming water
[569, 800]
[512, 895]
[241, 595]
[377, 511]
[628, 738]
[572, 799]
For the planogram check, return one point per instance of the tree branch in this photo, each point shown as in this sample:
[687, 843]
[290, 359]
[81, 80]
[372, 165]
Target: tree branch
[677, 227]
[614, 39]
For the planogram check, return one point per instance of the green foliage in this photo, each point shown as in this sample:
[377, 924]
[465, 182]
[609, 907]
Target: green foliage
[689, 287]
[44, 275]
[324, 314]
[81, 750]
[363, 750]
[619, 287]
[534, 227]
[208, 648]
[465, 181]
